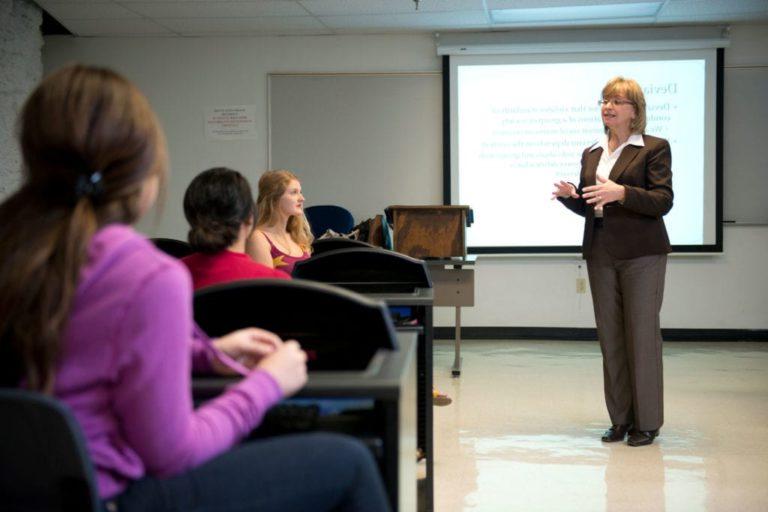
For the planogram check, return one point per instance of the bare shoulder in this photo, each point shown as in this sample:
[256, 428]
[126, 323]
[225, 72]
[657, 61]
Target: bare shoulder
[257, 247]
[258, 234]
[263, 237]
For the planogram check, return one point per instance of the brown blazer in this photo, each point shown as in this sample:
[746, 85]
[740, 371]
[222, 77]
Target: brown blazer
[635, 228]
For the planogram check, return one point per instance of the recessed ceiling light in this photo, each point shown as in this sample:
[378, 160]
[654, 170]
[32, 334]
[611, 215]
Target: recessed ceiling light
[575, 13]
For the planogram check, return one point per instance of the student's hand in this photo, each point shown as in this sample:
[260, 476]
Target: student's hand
[606, 191]
[246, 346]
[564, 189]
[288, 366]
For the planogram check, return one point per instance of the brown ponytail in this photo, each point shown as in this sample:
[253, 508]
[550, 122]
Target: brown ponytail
[89, 141]
[216, 204]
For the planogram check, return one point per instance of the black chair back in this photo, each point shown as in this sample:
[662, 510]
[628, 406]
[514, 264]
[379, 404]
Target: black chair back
[324, 245]
[369, 270]
[175, 248]
[339, 329]
[44, 465]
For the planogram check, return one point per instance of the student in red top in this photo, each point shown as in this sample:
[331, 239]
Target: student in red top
[219, 208]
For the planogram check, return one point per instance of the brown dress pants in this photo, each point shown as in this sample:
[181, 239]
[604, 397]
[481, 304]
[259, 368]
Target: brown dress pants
[627, 296]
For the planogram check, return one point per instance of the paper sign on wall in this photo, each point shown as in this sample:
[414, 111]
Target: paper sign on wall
[230, 123]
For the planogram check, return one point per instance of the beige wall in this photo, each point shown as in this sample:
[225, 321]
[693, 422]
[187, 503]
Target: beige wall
[181, 76]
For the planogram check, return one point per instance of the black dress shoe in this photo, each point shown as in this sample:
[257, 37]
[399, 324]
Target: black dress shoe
[615, 433]
[642, 437]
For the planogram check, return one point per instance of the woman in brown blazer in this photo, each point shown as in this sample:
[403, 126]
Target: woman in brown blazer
[625, 189]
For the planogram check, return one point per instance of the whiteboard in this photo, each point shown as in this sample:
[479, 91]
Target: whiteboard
[362, 141]
[745, 141]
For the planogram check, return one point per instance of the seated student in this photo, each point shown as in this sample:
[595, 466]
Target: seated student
[282, 236]
[93, 314]
[219, 208]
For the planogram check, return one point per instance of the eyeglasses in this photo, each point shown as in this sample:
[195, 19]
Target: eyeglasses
[615, 102]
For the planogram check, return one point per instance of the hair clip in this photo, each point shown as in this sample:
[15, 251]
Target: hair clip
[88, 185]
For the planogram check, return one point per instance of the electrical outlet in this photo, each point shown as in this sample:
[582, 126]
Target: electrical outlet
[581, 285]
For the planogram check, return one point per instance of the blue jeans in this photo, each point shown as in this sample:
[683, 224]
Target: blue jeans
[307, 472]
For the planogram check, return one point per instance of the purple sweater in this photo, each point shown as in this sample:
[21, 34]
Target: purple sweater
[126, 362]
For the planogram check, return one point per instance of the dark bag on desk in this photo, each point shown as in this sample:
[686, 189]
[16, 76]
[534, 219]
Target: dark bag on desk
[372, 231]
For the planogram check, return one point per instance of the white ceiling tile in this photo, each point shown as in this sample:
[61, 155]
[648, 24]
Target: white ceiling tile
[285, 17]
[266, 2]
[355, 7]
[87, 10]
[211, 9]
[262, 25]
[44, 3]
[448, 5]
[431, 21]
[126, 27]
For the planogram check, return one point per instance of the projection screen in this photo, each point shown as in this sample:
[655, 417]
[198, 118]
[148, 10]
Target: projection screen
[518, 123]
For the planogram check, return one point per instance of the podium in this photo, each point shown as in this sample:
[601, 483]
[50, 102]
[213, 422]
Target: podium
[437, 234]
[425, 232]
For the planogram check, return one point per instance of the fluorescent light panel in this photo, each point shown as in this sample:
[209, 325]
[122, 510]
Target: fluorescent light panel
[575, 13]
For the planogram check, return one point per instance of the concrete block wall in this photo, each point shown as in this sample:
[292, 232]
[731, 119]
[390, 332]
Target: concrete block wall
[20, 69]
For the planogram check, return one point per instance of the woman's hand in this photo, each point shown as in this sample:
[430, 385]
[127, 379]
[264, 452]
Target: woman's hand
[606, 191]
[564, 189]
[288, 366]
[246, 346]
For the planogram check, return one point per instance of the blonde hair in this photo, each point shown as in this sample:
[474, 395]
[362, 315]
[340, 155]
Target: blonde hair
[272, 186]
[630, 89]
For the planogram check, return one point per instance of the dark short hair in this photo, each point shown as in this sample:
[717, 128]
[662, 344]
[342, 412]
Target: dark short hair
[216, 204]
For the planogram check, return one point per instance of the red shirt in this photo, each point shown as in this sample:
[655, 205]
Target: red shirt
[225, 266]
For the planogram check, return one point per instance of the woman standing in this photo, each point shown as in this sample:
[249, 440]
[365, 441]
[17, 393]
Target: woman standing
[625, 189]
[282, 236]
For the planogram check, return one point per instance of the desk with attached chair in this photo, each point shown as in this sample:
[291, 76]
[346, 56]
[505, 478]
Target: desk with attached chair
[398, 281]
[354, 353]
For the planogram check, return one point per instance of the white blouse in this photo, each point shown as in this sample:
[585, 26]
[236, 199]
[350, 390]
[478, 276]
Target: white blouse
[608, 159]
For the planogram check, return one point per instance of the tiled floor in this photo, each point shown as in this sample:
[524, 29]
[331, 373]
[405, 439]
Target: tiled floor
[523, 431]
